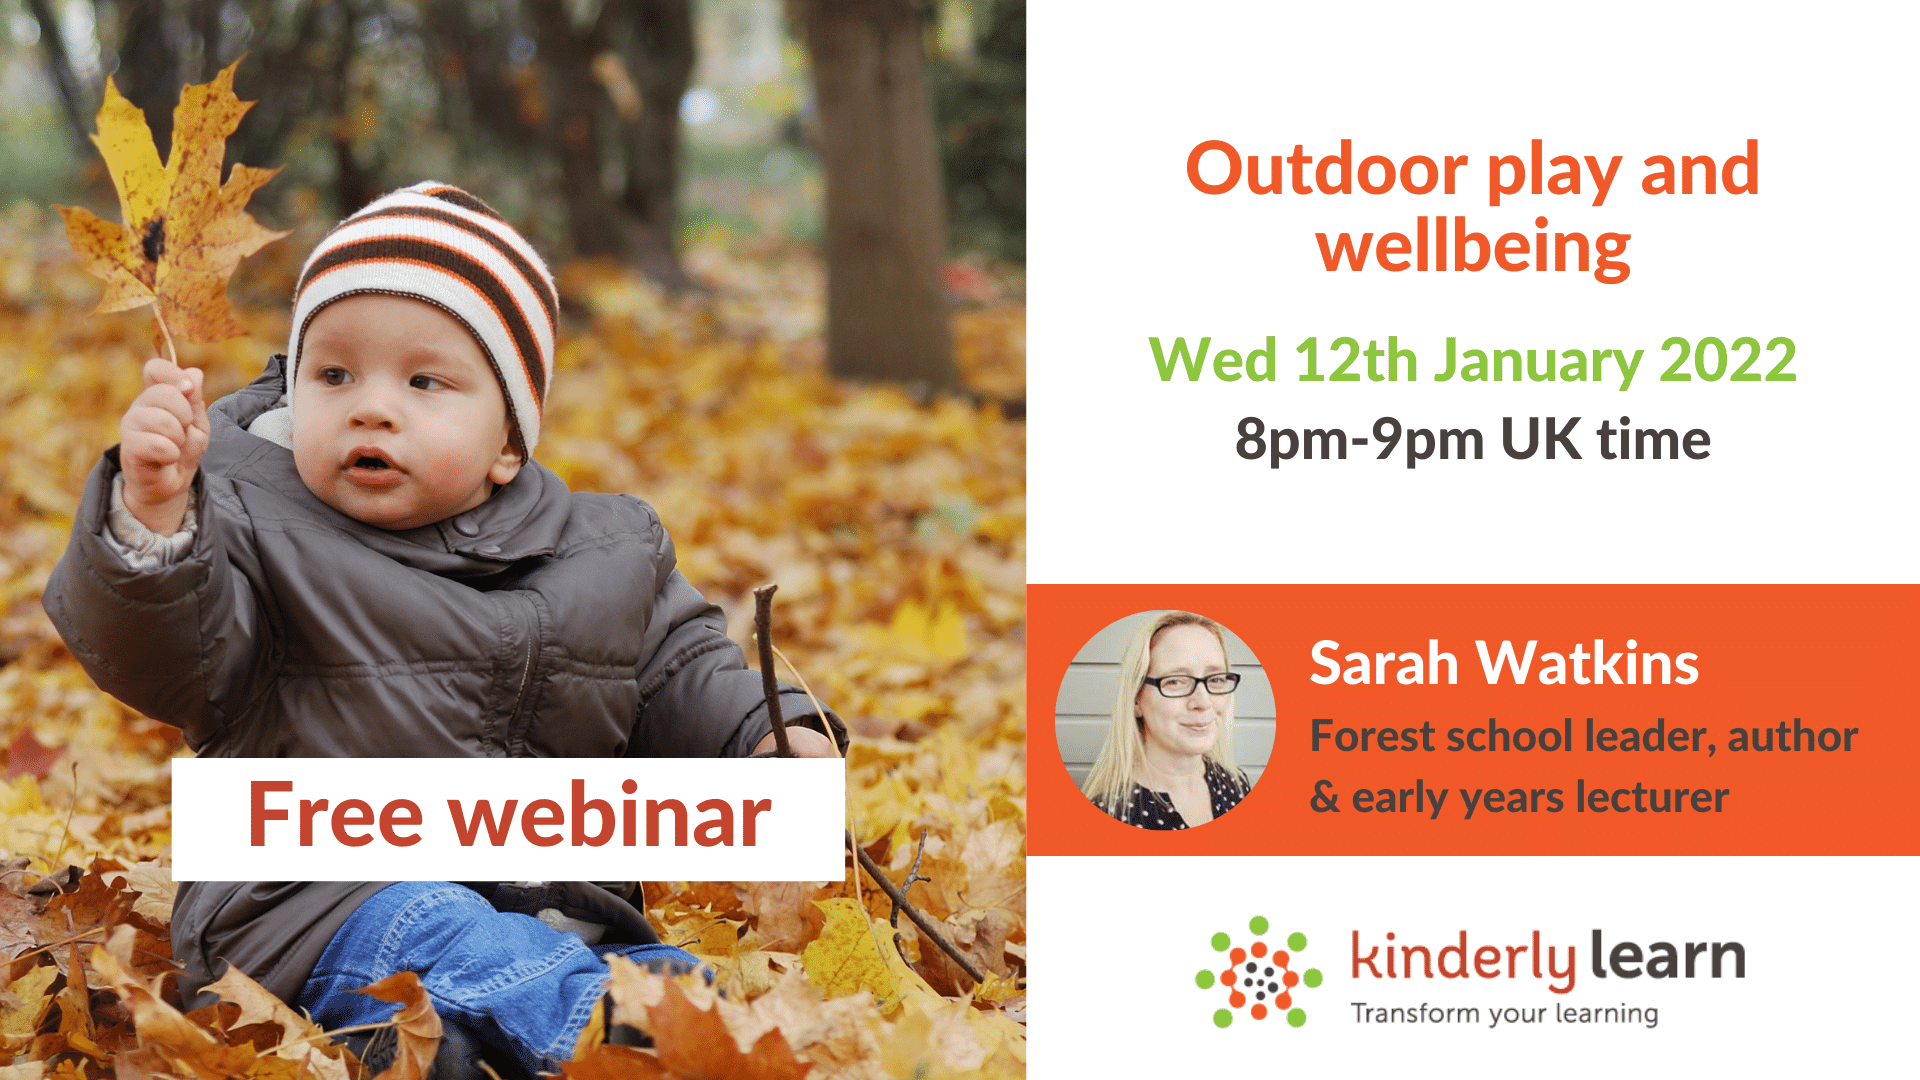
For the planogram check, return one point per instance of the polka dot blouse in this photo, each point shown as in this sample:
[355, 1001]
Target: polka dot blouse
[1154, 809]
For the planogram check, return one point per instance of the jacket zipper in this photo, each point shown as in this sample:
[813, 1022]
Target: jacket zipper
[519, 696]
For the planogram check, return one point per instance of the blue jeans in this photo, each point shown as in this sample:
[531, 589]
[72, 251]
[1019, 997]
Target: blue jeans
[514, 982]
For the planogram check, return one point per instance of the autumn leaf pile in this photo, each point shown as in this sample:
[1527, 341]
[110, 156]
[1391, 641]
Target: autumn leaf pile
[894, 528]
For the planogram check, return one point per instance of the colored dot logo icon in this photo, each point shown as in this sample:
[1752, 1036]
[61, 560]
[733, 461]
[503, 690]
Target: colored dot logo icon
[1258, 978]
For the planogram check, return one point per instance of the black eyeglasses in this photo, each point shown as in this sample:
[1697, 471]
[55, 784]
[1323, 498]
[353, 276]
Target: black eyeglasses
[1179, 686]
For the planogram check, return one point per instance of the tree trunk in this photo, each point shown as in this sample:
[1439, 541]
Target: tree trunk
[354, 184]
[204, 18]
[285, 71]
[886, 228]
[149, 74]
[478, 60]
[658, 50]
[566, 62]
[63, 76]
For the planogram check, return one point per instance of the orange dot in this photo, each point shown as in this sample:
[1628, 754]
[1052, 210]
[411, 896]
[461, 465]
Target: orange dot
[1283, 1001]
[1279, 958]
[1259, 1012]
[1227, 977]
[1238, 956]
[1238, 999]
[1259, 949]
[1290, 979]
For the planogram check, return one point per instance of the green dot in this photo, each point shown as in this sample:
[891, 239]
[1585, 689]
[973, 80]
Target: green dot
[1204, 980]
[1221, 1018]
[1296, 942]
[1312, 977]
[1295, 1017]
[1258, 925]
[1220, 942]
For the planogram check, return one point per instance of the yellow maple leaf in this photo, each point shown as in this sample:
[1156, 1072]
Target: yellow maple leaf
[846, 957]
[913, 989]
[183, 231]
[29, 995]
[939, 632]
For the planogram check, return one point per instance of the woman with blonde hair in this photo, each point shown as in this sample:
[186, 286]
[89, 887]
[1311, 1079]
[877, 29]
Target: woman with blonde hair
[1167, 762]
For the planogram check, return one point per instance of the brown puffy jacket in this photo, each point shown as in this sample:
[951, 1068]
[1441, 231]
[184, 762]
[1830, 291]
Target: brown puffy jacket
[541, 623]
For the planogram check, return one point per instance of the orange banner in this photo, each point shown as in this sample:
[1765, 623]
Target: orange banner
[1741, 720]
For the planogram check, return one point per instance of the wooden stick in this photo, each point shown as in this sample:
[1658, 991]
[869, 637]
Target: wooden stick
[913, 875]
[763, 630]
[919, 919]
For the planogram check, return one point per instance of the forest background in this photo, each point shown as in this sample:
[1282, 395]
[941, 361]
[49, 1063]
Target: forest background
[790, 246]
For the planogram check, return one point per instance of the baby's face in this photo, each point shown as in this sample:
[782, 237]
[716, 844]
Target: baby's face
[399, 420]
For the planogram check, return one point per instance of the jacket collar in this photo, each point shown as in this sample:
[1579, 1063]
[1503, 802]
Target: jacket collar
[523, 519]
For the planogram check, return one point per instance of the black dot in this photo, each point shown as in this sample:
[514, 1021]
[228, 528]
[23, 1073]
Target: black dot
[1269, 971]
[1251, 965]
[1261, 996]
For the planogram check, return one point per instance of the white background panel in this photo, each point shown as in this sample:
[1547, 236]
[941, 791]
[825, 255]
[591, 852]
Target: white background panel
[1123, 247]
[1823, 995]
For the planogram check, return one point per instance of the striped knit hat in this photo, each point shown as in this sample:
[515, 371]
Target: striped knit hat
[436, 243]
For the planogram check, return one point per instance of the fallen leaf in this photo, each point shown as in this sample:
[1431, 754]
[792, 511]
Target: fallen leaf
[144, 1063]
[712, 941]
[189, 1049]
[840, 1037]
[17, 923]
[182, 231]
[981, 935]
[604, 1062]
[26, 757]
[417, 1025]
[846, 957]
[20, 795]
[912, 988]
[634, 990]
[24, 1001]
[749, 973]
[938, 634]
[1000, 1031]
[302, 1041]
[153, 880]
[94, 905]
[76, 1013]
[997, 989]
[694, 1043]
[781, 912]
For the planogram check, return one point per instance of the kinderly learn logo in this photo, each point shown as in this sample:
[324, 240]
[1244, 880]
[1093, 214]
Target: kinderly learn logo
[1259, 975]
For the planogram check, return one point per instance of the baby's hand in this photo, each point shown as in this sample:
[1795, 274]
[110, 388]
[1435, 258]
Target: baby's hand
[163, 436]
[805, 741]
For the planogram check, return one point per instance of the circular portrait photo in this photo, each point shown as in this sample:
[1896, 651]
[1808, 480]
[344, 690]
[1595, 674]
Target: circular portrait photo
[1165, 720]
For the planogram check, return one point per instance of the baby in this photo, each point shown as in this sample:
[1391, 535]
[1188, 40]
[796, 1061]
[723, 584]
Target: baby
[357, 556]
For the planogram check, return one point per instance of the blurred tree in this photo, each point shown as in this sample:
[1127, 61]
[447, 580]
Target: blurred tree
[298, 60]
[483, 55]
[980, 103]
[72, 98]
[886, 227]
[656, 48]
[575, 121]
[596, 86]
[149, 74]
[587, 88]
